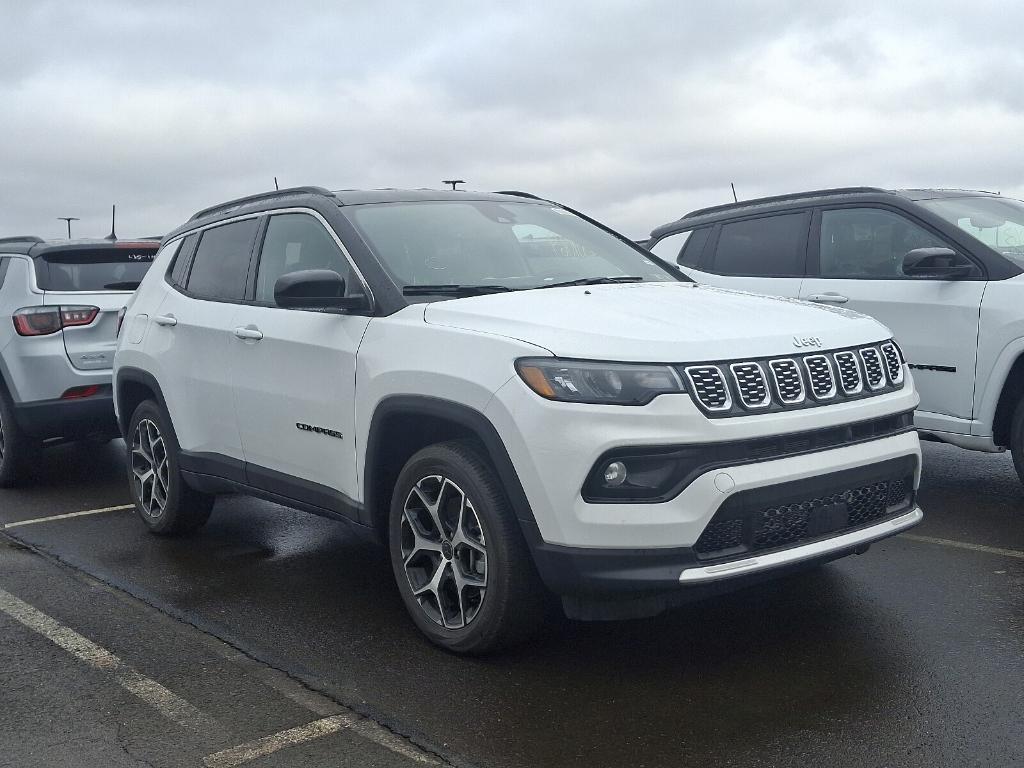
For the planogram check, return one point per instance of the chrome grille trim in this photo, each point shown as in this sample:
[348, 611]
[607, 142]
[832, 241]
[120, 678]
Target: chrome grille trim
[893, 364]
[872, 360]
[789, 384]
[850, 378]
[820, 377]
[709, 387]
[751, 385]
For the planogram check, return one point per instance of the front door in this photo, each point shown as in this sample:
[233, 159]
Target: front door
[294, 373]
[858, 264]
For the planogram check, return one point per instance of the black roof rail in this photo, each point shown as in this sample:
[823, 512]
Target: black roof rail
[238, 203]
[517, 193]
[783, 198]
[21, 239]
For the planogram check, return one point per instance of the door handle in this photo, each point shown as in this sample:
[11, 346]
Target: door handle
[249, 334]
[828, 298]
[168, 321]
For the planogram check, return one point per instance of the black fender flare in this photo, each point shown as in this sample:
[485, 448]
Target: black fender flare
[138, 376]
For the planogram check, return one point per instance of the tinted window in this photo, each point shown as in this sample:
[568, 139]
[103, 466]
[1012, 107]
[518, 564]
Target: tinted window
[221, 264]
[768, 247]
[179, 267]
[120, 267]
[669, 248]
[694, 248]
[297, 241]
[869, 243]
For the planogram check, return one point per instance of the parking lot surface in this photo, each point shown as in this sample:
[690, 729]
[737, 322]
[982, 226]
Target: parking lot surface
[280, 633]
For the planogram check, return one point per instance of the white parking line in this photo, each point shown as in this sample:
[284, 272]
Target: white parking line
[966, 545]
[51, 518]
[168, 704]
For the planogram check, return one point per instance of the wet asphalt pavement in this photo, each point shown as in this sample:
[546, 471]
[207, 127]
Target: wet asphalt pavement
[910, 655]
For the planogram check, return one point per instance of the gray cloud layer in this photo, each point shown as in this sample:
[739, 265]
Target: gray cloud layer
[632, 111]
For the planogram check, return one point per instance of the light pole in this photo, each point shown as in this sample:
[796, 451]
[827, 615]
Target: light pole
[453, 182]
[68, 219]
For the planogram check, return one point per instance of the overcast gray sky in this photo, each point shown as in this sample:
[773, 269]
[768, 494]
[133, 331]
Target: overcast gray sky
[634, 112]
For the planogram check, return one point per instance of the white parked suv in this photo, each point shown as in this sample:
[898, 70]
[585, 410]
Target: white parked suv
[944, 269]
[59, 302]
[516, 399]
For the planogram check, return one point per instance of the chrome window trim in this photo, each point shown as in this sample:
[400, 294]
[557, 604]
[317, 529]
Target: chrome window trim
[810, 379]
[767, 401]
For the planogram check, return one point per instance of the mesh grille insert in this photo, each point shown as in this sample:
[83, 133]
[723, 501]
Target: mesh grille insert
[751, 385]
[819, 372]
[873, 367]
[893, 364]
[709, 386]
[849, 373]
[788, 382]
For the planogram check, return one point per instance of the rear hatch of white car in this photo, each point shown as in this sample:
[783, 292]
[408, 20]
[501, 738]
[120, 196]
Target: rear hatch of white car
[91, 282]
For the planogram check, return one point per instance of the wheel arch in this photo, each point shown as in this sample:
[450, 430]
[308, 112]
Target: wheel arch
[132, 387]
[403, 424]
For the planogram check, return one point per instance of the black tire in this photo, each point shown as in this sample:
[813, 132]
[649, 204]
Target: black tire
[511, 607]
[1017, 438]
[15, 446]
[170, 507]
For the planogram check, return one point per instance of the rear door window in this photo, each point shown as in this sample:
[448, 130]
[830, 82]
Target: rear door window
[119, 267]
[771, 246]
[4, 263]
[220, 267]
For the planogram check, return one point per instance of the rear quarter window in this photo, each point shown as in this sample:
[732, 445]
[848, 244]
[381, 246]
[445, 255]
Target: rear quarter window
[110, 268]
[770, 246]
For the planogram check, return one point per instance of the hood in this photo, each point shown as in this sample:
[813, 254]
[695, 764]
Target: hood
[657, 322]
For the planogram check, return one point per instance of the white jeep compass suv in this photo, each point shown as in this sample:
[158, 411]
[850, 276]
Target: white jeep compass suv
[513, 397]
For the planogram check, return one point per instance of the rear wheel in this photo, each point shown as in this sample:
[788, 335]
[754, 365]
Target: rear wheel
[15, 445]
[458, 556]
[163, 500]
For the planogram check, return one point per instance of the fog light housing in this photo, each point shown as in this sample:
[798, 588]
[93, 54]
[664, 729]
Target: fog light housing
[615, 474]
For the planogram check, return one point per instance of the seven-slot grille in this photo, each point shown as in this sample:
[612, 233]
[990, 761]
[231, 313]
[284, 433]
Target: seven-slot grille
[795, 382]
[789, 384]
[751, 385]
[710, 387]
[849, 373]
[893, 364]
[819, 371]
[873, 367]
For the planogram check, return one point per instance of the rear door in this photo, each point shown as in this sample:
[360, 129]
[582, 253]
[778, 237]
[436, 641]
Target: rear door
[857, 263]
[102, 276]
[765, 254]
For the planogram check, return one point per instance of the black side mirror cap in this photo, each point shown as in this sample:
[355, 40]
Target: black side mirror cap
[939, 263]
[318, 289]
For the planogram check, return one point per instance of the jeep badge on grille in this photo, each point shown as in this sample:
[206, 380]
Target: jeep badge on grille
[806, 341]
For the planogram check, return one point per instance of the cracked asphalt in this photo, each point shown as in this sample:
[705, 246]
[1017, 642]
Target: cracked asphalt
[268, 619]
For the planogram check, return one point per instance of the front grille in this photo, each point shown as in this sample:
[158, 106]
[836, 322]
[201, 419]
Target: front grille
[709, 386]
[873, 367]
[819, 371]
[751, 385]
[893, 364]
[789, 384]
[849, 373]
[742, 528]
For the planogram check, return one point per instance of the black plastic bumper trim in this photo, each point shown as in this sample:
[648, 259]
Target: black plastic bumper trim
[68, 419]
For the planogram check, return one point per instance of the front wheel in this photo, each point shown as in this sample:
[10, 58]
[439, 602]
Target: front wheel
[458, 556]
[163, 500]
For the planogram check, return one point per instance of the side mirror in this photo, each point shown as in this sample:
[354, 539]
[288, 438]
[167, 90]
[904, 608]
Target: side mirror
[942, 263]
[322, 289]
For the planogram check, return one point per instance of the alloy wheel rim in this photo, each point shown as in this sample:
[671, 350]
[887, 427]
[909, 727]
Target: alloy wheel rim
[150, 470]
[444, 552]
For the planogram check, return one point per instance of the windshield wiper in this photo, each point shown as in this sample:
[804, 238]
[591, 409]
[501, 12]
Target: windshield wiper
[594, 281]
[453, 289]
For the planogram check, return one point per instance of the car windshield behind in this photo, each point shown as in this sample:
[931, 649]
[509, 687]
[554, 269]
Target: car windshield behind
[996, 221]
[107, 268]
[507, 245]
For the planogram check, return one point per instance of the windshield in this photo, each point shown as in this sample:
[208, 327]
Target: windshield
[996, 221]
[508, 245]
[120, 268]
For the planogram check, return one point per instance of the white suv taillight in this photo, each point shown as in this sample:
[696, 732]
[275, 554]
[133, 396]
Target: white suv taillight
[42, 321]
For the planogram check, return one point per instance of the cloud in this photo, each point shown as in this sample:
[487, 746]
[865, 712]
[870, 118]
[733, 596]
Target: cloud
[634, 112]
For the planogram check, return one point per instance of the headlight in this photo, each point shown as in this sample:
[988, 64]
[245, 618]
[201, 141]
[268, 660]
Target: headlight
[577, 381]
